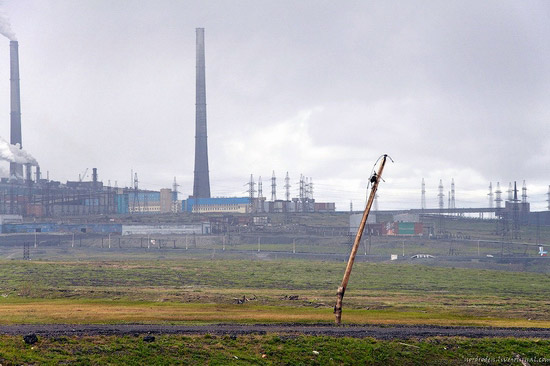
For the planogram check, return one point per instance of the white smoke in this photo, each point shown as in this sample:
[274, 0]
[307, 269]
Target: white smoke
[14, 154]
[5, 25]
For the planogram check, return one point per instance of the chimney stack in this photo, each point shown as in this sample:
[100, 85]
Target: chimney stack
[16, 169]
[28, 172]
[94, 178]
[201, 184]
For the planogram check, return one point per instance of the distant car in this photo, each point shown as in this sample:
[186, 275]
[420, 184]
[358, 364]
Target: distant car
[489, 255]
[422, 256]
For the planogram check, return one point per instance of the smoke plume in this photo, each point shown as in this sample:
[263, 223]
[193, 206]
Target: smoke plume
[14, 154]
[5, 26]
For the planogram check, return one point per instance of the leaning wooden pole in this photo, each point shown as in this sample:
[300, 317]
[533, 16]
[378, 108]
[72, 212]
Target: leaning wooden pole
[375, 180]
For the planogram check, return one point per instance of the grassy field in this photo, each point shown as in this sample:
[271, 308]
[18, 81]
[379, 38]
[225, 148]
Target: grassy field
[271, 350]
[92, 284]
[204, 291]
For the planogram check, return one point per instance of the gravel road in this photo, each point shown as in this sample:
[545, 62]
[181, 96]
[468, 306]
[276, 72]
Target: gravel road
[356, 331]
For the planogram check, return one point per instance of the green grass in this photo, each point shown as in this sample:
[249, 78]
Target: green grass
[278, 349]
[288, 275]
[378, 292]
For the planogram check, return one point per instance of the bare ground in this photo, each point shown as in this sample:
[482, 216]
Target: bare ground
[355, 331]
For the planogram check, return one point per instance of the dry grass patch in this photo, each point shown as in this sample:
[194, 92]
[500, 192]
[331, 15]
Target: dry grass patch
[92, 312]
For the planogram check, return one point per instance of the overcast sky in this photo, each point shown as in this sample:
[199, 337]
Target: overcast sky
[449, 89]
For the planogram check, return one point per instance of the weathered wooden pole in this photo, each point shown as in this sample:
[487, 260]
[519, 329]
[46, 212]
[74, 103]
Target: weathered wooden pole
[375, 179]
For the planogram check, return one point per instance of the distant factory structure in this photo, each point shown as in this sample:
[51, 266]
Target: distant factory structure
[257, 203]
[201, 200]
[29, 194]
[304, 202]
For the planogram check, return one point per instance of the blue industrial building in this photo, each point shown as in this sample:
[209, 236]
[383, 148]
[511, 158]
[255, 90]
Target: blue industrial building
[61, 228]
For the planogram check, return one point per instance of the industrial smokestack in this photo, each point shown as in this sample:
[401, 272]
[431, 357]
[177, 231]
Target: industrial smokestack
[16, 169]
[94, 178]
[28, 173]
[38, 174]
[201, 185]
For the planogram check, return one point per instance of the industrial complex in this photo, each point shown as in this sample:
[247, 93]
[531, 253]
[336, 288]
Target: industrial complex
[27, 193]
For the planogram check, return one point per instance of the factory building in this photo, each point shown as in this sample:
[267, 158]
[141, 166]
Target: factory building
[399, 225]
[217, 205]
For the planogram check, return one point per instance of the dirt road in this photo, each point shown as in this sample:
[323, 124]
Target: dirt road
[356, 331]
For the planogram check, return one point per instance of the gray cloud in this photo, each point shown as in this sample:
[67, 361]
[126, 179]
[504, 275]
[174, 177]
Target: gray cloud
[449, 89]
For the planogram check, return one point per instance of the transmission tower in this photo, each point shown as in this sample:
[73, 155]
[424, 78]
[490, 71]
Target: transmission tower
[441, 195]
[287, 187]
[260, 190]
[524, 193]
[490, 194]
[515, 213]
[453, 202]
[302, 192]
[301, 187]
[351, 202]
[510, 192]
[503, 222]
[548, 199]
[26, 251]
[498, 200]
[273, 187]
[251, 184]
[136, 196]
[175, 186]
[260, 195]
[423, 197]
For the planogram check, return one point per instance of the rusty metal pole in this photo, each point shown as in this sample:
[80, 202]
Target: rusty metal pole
[342, 289]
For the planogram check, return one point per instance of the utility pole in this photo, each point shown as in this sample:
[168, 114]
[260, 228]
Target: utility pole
[374, 180]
